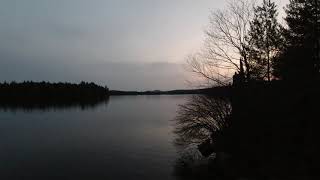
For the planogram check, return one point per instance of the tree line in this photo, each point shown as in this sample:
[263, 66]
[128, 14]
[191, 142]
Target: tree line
[50, 92]
[245, 42]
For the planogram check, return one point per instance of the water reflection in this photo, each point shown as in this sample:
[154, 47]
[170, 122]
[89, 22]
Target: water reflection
[131, 138]
[52, 105]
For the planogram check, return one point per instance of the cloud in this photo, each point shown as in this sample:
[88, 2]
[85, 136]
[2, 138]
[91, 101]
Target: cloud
[116, 75]
[125, 45]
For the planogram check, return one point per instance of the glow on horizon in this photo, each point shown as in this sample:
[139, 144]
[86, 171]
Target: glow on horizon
[73, 40]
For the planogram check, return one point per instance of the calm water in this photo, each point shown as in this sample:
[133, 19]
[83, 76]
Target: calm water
[129, 137]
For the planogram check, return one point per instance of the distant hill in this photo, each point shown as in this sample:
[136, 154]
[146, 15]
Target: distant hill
[217, 91]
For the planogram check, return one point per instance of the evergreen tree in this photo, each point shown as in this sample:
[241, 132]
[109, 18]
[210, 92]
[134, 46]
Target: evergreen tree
[300, 57]
[264, 39]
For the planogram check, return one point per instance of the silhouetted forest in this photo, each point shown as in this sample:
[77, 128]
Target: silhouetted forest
[28, 95]
[267, 127]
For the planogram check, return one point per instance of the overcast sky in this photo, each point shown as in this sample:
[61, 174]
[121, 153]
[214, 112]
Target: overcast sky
[125, 44]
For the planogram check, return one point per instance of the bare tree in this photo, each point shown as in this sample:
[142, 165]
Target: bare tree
[225, 50]
[201, 117]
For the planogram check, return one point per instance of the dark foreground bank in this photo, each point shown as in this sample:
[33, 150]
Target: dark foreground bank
[272, 132]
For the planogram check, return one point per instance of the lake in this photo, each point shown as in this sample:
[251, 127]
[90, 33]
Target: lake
[126, 137]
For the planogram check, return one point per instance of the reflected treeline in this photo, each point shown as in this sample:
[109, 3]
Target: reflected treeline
[45, 96]
[52, 105]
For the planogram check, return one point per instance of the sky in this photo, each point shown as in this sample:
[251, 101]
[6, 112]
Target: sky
[124, 44]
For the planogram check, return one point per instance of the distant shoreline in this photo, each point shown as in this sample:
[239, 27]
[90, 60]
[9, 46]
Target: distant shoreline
[219, 91]
[29, 91]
